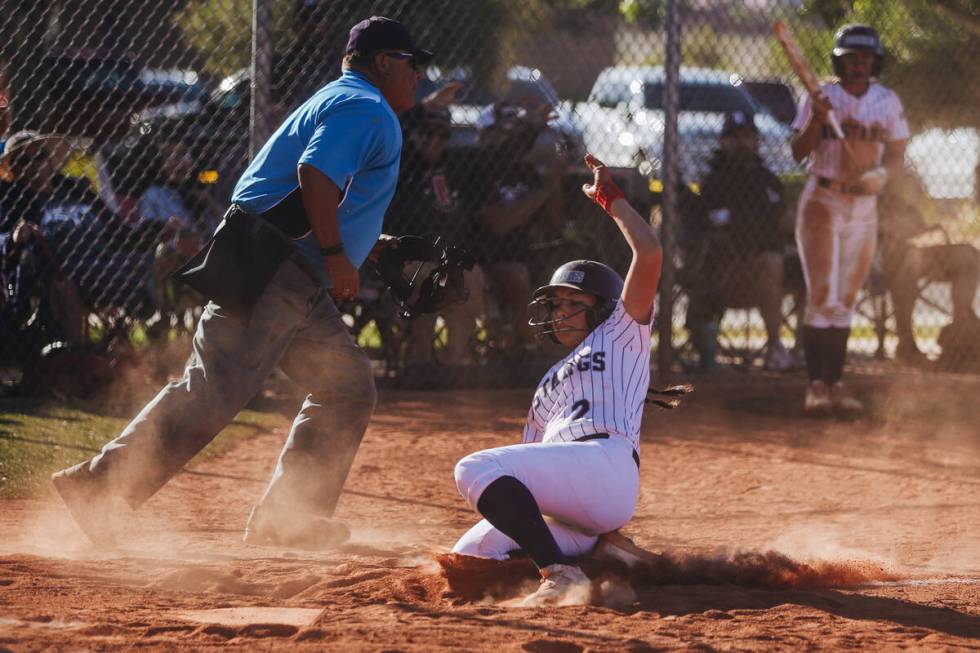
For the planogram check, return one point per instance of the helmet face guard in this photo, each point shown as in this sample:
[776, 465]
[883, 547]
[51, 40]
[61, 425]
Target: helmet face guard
[544, 322]
[590, 277]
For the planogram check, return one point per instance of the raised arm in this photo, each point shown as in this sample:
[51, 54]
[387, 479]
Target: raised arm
[644, 273]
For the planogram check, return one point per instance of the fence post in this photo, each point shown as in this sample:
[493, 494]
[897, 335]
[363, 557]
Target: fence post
[261, 85]
[665, 350]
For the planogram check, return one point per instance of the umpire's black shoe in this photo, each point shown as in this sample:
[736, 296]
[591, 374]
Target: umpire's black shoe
[88, 501]
[299, 532]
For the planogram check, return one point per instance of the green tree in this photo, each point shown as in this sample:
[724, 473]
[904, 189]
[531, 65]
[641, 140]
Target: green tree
[220, 31]
[475, 34]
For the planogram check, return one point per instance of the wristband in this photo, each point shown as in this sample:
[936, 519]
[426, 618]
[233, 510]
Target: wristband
[606, 194]
[332, 250]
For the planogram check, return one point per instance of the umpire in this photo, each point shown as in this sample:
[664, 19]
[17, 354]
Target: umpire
[305, 215]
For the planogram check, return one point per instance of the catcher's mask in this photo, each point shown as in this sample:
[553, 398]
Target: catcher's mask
[592, 277]
[442, 286]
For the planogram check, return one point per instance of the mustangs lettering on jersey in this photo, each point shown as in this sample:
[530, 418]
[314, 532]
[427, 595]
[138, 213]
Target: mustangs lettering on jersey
[599, 387]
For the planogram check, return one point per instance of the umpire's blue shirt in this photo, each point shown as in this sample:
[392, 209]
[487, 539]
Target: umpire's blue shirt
[347, 131]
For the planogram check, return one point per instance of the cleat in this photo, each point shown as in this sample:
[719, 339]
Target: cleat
[616, 546]
[560, 585]
[817, 401]
[89, 504]
[312, 533]
[842, 399]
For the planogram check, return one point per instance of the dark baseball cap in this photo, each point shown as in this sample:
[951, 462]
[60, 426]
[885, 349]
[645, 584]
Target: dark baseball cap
[379, 33]
[23, 139]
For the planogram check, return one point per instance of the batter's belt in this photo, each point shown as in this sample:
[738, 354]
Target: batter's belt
[605, 436]
[841, 187]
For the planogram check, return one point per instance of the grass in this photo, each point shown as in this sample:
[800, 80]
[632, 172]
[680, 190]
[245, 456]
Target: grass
[40, 439]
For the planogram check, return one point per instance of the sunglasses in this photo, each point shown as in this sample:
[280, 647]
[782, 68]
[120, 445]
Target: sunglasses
[408, 56]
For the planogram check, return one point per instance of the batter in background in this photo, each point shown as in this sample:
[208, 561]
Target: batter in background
[576, 474]
[836, 226]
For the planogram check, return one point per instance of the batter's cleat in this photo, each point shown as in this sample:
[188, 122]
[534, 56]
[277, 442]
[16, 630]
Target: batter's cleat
[842, 400]
[90, 505]
[310, 533]
[560, 585]
[616, 546]
[817, 401]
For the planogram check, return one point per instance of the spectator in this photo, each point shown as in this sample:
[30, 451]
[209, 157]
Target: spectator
[75, 233]
[426, 204]
[507, 195]
[4, 100]
[906, 265]
[180, 231]
[732, 244]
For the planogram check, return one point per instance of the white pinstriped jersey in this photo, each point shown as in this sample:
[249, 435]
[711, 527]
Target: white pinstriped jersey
[600, 387]
[876, 116]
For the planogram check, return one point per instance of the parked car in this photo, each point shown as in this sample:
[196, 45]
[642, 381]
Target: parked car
[777, 97]
[90, 93]
[216, 127]
[624, 119]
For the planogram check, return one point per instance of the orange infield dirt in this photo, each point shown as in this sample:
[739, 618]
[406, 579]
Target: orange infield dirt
[777, 533]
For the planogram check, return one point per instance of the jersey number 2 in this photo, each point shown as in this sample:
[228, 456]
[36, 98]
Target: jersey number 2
[580, 408]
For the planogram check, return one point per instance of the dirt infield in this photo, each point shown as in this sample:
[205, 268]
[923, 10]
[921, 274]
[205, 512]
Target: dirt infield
[778, 533]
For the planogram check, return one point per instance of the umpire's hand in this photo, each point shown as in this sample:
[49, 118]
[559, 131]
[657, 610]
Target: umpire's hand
[346, 280]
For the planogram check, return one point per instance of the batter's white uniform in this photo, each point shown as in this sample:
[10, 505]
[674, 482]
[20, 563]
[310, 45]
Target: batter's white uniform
[585, 484]
[836, 228]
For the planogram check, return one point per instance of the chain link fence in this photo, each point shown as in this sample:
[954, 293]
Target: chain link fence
[126, 125]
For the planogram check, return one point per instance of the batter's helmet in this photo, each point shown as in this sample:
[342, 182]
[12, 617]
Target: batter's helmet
[857, 37]
[591, 277]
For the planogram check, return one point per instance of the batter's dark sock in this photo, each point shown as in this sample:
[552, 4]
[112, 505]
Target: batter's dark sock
[511, 508]
[837, 350]
[815, 350]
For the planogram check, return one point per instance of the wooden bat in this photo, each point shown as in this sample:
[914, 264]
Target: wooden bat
[802, 69]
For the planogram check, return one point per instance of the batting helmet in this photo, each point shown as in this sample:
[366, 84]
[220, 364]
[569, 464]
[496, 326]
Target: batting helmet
[857, 37]
[597, 279]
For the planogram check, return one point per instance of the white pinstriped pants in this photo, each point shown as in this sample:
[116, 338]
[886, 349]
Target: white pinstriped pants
[836, 235]
[583, 489]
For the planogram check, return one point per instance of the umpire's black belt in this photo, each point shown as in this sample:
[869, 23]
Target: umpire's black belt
[234, 267]
[841, 187]
[605, 436]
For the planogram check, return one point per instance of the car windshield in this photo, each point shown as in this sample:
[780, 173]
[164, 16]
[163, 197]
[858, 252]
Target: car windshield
[715, 98]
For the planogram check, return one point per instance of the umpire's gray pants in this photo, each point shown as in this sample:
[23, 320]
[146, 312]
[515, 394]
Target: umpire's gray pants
[301, 331]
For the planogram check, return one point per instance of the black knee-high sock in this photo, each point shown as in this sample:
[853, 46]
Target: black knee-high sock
[815, 351]
[511, 508]
[837, 354]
